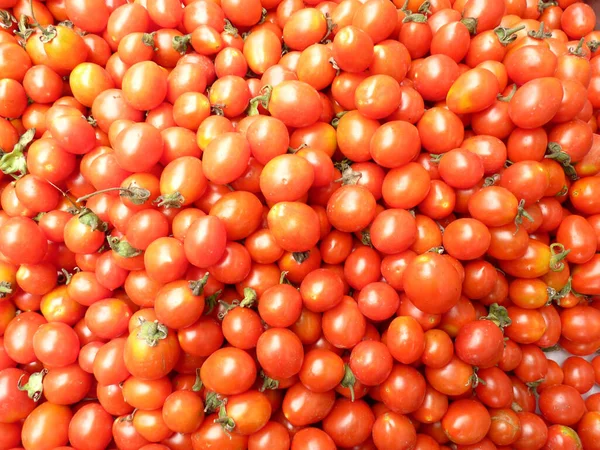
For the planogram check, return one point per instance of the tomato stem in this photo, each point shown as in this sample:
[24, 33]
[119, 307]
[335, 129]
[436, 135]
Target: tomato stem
[558, 255]
[554, 348]
[543, 5]
[152, 332]
[508, 97]
[415, 17]
[197, 286]
[336, 119]
[349, 380]
[439, 250]
[521, 213]
[293, 150]
[211, 301]
[541, 33]
[64, 277]
[533, 386]
[349, 177]
[224, 420]
[556, 152]
[34, 386]
[197, 387]
[136, 194]
[578, 51]
[330, 27]
[262, 99]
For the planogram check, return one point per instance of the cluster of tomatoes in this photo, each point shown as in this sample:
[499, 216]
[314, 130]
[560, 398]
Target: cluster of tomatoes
[299, 224]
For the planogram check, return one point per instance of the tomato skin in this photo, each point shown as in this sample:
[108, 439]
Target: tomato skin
[466, 94]
[227, 363]
[303, 407]
[392, 430]
[18, 336]
[46, 427]
[431, 276]
[536, 102]
[577, 235]
[470, 410]
[480, 343]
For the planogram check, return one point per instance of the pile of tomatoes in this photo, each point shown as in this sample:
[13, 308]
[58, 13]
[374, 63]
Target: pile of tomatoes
[299, 224]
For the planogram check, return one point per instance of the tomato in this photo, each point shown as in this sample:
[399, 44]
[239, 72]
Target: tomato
[47, 427]
[481, 343]
[467, 94]
[90, 424]
[228, 371]
[431, 276]
[536, 102]
[440, 130]
[18, 336]
[303, 407]
[151, 351]
[392, 430]
[455, 378]
[472, 411]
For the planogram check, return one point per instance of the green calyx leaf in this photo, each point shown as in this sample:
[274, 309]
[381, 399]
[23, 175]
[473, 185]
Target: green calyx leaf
[300, 257]
[173, 200]
[349, 380]
[5, 289]
[123, 248]
[89, 218]
[34, 386]
[260, 100]
[268, 382]
[498, 315]
[152, 332]
[211, 302]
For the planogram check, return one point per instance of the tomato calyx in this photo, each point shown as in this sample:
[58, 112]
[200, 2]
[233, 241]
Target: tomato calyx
[498, 315]
[293, 150]
[470, 23]
[229, 28]
[349, 380]
[330, 27]
[249, 298]
[15, 161]
[543, 5]
[559, 253]
[262, 99]
[300, 257]
[349, 176]
[268, 382]
[123, 248]
[172, 200]
[533, 386]
[197, 286]
[556, 153]
[135, 194]
[180, 43]
[34, 386]
[148, 40]
[5, 289]
[593, 45]
[91, 219]
[213, 402]
[439, 250]
[416, 17]
[152, 332]
[334, 64]
[557, 296]
[365, 237]
[521, 214]
[211, 301]
[508, 97]
[226, 422]
[6, 19]
[541, 33]
[475, 380]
